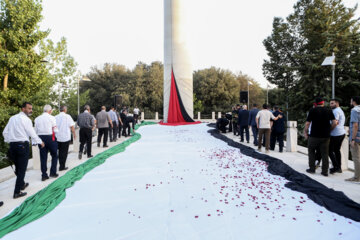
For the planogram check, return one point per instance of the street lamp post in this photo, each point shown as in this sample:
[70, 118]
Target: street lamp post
[249, 83]
[84, 79]
[331, 61]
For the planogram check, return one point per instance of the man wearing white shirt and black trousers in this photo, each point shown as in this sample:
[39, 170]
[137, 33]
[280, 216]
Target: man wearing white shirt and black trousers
[45, 127]
[17, 133]
[65, 125]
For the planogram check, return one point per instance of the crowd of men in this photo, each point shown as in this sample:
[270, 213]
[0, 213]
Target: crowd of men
[324, 130]
[267, 126]
[53, 135]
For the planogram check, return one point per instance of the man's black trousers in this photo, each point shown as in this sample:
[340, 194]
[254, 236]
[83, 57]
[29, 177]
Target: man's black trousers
[113, 132]
[19, 154]
[52, 147]
[334, 150]
[85, 138]
[103, 131]
[63, 153]
[275, 136]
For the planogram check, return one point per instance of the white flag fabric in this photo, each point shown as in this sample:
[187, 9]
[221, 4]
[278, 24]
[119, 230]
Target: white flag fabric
[182, 183]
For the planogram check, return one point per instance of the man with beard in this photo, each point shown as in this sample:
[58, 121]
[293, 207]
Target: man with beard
[337, 136]
[17, 132]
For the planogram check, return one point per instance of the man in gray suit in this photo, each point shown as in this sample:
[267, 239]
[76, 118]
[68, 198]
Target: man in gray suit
[86, 123]
[102, 123]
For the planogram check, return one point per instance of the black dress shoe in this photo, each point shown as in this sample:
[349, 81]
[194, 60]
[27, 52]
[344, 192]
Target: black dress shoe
[90, 156]
[1, 203]
[20, 194]
[80, 156]
[105, 146]
[25, 186]
[98, 145]
[63, 169]
[44, 178]
[325, 174]
[310, 171]
[54, 175]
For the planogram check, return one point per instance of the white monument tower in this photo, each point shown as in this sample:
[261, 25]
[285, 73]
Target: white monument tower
[178, 74]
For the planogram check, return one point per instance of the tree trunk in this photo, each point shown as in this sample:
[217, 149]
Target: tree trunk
[6, 81]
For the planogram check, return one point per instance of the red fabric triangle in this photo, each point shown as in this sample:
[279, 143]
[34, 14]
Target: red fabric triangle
[174, 113]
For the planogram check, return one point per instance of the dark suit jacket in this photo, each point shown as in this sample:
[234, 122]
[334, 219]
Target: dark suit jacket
[243, 118]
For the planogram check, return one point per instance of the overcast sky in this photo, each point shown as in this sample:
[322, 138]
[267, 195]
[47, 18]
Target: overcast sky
[222, 33]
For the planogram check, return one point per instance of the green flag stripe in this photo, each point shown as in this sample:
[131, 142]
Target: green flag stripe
[48, 198]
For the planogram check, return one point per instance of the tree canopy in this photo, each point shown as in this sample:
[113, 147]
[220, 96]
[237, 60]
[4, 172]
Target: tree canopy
[298, 45]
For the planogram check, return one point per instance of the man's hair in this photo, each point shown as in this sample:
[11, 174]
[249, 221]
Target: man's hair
[47, 108]
[254, 105]
[265, 106]
[356, 99]
[63, 108]
[87, 107]
[335, 100]
[276, 108]
[103, 108]
[25, 103]
[238, 105]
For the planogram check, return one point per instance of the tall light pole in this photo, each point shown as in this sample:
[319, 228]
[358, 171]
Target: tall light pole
[84, 79]
[327, 62]
[249, 83]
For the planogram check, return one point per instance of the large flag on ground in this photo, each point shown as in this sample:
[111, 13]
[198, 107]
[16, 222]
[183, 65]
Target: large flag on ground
[190, 182]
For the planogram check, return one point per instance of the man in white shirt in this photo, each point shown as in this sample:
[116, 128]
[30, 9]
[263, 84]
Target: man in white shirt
[263, 123]
[65, 125]
[337, 136]
[45, 127]
[136, 114]
[17, 133]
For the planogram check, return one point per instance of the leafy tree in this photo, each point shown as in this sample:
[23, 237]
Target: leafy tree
[198, 105]
[299, 44]
[142, 86]
[219, 90]
[24, 73]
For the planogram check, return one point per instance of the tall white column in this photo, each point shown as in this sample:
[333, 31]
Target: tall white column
[176, 56]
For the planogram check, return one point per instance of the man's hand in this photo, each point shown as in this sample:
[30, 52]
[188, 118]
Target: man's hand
[74, 136]
[306, 135]
[42, 145]
[352, 144]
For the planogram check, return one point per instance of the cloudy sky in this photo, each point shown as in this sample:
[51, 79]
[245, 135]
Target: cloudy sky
[222, 33]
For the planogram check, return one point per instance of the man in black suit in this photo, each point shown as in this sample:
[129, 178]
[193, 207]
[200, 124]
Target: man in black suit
[221, 123]
[243, 119]
[278, 130]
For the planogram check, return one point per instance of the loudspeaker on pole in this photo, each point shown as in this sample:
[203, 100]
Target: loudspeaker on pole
[118, 101]
[244, 97]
